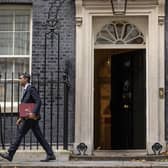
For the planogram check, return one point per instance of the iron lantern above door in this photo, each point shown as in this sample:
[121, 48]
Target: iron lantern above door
[119, 7]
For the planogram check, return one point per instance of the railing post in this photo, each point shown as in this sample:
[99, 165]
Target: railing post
[51, 109]
[66, 90]
[1, 134]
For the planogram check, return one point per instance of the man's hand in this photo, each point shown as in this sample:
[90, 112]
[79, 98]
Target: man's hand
[18, 121]
[32, 116]
[27, 110]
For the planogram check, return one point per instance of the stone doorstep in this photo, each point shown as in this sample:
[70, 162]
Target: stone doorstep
[119, 155]
[119, 158]
[36, 155]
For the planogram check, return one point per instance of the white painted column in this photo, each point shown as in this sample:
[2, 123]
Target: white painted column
[84, 86]
[161, 61]
[79, 76]
[152, 82]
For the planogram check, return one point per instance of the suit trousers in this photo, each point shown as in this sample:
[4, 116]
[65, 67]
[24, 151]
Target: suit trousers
[24, 127]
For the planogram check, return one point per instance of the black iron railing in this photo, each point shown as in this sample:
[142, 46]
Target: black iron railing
[55, 120]
[52, 84]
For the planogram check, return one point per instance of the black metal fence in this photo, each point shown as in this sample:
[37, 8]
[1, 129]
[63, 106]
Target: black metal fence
[54, 110]
[53, 85]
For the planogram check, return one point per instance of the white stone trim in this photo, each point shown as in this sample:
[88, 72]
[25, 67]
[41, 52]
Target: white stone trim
[161, 61]
[84, 113]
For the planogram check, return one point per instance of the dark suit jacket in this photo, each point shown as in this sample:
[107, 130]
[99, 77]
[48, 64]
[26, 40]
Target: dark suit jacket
[31, 96]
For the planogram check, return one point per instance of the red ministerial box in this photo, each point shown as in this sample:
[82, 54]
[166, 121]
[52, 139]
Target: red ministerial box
[25, 109]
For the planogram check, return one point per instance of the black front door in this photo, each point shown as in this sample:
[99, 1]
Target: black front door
[128, 100]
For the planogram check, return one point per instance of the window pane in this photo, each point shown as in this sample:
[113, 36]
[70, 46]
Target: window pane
[6, 41]
[5, 91]
[7, 87]
[16, 65]
[21, 65]
[6, 65]
[22, 43]
[6, 20]
[1, 91]
[22, 20]
[17, 91]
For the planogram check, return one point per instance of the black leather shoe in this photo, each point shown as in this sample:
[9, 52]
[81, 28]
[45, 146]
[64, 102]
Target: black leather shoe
[48, 158]
[6, 156]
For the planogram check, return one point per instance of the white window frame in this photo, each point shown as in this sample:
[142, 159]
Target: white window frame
[9, 104]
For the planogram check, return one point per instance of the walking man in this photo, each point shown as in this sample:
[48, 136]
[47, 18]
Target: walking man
[30, 95]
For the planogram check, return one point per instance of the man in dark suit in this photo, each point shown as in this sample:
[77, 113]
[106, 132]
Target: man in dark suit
[30, 95]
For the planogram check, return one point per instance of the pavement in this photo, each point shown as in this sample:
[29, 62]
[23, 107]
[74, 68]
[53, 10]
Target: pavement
[27, 159]
[83, 164]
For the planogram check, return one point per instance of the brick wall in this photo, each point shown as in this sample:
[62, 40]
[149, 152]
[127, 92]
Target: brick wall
[66, 15]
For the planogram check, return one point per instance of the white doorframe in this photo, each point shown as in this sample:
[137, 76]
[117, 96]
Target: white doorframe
[84, 112]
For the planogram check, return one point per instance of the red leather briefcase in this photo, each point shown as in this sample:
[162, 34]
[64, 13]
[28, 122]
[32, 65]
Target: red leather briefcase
[25, 109]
